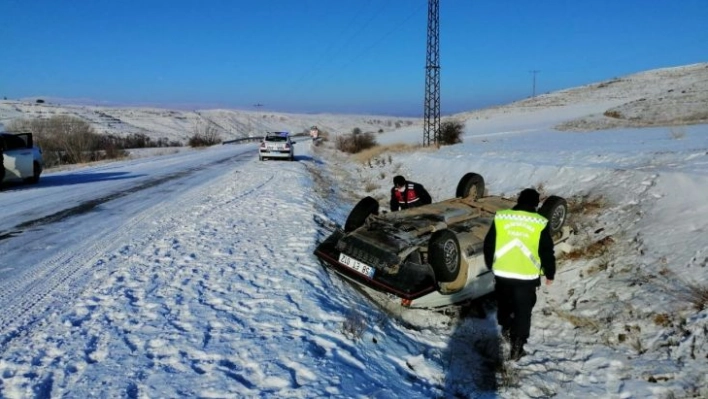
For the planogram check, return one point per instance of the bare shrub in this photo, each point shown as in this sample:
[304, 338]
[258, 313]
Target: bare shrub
[355, 142]
[693, 293]
[64, 139]
[451, 132]
[354, 325]
[613, 114]
[509, 376]
[595, 249]
[205, 134]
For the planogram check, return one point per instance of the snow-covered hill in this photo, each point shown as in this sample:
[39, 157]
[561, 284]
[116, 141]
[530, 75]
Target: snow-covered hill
[179, 125]
[661, 97]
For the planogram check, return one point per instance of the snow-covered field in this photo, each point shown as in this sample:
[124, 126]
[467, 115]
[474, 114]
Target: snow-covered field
[191, 274]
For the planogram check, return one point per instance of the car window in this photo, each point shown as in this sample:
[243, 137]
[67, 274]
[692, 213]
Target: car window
[12, 142]
[276, 139]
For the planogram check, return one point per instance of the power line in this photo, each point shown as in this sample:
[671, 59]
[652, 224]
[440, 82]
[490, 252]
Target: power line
[534, 72]
[326, 55]
[313, 71]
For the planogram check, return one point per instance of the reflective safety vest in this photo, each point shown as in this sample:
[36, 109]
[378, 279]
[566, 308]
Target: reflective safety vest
[411, 197]
[518, 234]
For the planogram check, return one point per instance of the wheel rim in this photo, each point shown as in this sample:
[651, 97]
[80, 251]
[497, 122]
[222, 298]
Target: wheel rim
[557, 218]
[451, 255]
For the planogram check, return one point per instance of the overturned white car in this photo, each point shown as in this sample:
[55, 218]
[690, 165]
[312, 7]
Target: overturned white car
[429, 256]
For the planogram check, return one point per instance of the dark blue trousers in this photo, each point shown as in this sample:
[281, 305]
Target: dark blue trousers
[515, 301]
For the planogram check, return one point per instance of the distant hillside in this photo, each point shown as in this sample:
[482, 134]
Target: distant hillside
[660, 97]
[180, 125]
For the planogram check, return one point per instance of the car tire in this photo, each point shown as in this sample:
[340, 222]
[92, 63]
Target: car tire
[444, 255]
[362, 210]
[471, 184]
[37, 170]
[555, 209]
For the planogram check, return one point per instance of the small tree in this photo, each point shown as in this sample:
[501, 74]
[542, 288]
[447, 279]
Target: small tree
[205, 134]
[451, 132]
[355, 143]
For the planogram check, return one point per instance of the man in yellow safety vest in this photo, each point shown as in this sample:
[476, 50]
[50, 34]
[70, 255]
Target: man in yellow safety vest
[518, 248]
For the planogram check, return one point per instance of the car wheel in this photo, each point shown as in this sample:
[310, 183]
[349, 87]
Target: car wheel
[444, 255]
[37, 170]
[362, 210]
[471, 185]
[555, 209]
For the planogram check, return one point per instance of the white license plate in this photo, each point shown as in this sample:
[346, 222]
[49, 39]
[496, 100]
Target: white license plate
[356, 265]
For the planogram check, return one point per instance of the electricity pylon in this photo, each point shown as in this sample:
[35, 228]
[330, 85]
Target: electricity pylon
[431, 123]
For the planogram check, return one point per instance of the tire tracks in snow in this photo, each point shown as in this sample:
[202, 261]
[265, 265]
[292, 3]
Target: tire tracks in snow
[53, 283]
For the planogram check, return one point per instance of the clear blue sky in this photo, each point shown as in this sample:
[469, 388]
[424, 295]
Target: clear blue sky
[342, 56]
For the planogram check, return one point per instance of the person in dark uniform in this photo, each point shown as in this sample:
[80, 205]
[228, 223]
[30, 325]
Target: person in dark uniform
[518, 248]
[407, 194]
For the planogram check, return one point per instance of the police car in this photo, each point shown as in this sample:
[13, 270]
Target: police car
[276, 145]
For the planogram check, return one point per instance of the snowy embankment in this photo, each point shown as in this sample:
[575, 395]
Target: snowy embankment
[617, 319]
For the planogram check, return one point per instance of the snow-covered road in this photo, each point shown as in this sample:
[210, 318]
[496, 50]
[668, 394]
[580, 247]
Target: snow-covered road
[189, 275]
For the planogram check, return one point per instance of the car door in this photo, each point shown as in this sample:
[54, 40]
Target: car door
[18, 158]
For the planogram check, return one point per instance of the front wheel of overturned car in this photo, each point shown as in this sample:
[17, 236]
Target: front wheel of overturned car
[472, 185]
[555, 209]
[367, 206]
[444, 255]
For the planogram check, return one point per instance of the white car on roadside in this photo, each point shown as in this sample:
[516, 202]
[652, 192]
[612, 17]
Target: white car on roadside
[21, 159]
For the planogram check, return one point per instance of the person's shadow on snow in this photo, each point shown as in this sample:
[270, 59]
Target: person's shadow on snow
[473, 356]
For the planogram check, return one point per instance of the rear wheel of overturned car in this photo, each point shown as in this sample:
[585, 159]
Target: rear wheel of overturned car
[471, 185]
[444, 255]
[555, 209]
[367, 206]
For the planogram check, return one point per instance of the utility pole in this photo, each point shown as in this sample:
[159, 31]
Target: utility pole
[534, 72]
[431, 123]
